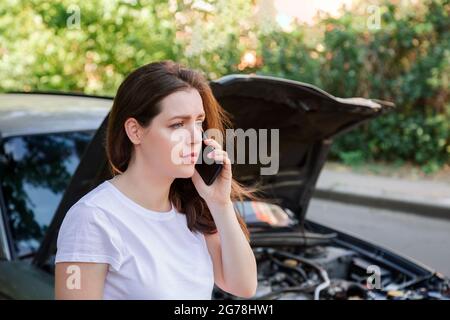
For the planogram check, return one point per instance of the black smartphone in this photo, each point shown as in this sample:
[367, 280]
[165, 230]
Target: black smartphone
[207, 167]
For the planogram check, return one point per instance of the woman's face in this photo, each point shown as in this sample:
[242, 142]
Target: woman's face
[173, 135]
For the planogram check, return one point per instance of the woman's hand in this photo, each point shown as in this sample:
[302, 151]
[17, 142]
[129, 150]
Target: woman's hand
[233, 258]
[218, 193]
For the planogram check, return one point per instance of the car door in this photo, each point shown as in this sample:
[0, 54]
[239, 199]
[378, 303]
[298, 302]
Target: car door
[34, 172]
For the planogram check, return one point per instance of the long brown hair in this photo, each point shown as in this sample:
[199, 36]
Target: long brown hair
[139, 97]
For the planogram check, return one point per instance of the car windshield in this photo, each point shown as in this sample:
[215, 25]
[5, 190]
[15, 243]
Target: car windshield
[35, 171]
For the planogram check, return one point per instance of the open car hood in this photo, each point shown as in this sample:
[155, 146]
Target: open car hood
[307, 118]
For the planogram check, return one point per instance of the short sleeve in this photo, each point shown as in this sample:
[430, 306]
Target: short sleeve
[88, 235]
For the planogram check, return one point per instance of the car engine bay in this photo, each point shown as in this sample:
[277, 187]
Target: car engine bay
[294, 263]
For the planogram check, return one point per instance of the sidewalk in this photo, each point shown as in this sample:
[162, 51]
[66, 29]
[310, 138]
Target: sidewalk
[431, 198]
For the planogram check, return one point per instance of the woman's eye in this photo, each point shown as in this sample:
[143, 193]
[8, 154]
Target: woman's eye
[179, 124]
[176, 125]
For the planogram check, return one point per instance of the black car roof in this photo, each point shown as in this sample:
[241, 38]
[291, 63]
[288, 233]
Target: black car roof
[35, 113]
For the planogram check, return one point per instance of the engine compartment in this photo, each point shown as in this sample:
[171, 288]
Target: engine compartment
[330, 272]
[297, 264]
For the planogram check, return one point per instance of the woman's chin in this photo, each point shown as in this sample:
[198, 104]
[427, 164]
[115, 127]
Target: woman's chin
[185, 170]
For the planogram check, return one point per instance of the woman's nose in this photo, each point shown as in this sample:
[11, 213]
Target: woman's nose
[196, 135]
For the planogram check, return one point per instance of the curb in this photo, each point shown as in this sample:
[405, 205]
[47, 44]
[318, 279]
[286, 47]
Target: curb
[418, 208]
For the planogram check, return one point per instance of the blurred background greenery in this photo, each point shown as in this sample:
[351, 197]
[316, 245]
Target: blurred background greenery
[404, 57]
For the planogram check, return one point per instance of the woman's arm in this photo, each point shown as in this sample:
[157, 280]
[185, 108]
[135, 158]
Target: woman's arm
[233, 259]
[234, 263]
[80, 280]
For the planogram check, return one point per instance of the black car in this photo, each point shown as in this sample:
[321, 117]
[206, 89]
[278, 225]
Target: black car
[52, 154]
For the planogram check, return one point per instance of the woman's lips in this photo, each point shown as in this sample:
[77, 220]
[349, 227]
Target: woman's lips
[191, 155]
[190, 158]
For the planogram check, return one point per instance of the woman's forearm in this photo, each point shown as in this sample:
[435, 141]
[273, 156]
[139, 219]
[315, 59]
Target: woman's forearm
[238, 260]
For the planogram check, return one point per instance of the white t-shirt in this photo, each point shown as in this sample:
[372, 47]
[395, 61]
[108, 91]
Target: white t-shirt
[151, 254]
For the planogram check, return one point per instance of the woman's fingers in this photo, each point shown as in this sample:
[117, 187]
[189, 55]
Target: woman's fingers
[213, 143]
[220, 156]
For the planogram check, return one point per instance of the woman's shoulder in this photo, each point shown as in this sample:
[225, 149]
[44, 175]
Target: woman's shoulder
[96, 196]
[90, 210]
[91, 205]
[87, 233]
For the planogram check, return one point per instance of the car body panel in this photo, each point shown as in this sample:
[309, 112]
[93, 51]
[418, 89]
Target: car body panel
[22, 280]
[36, 113]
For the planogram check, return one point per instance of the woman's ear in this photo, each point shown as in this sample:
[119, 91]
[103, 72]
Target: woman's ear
[134, 130]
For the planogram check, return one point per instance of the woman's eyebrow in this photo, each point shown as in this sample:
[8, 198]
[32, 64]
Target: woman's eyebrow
[186, 116]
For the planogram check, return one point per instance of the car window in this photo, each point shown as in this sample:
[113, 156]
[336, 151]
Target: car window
[35, 170]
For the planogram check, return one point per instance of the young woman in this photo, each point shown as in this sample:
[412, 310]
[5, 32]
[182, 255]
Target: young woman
[156, 230]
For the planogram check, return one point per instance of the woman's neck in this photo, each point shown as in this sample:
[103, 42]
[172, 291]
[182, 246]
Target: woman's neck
[146, 188]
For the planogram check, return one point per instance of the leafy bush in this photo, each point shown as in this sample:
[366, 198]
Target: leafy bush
[406, 60]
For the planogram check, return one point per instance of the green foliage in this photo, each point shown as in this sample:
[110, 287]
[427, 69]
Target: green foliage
[287, 55]
[414, 138]
[406, 60]
[45, 49]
